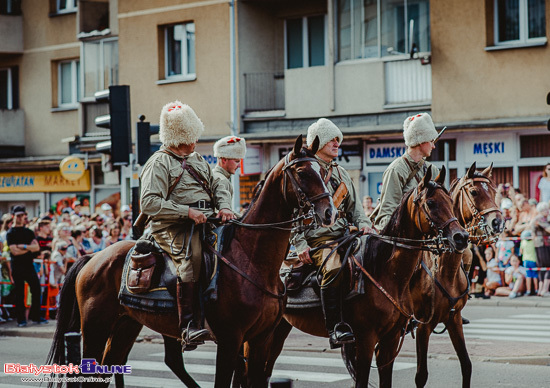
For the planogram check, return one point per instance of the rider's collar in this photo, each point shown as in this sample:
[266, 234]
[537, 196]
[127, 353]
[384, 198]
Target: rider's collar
[326, 165]
[410, 159]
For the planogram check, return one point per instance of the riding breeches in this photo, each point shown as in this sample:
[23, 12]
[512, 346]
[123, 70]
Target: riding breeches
[186, 254]
[332, 265]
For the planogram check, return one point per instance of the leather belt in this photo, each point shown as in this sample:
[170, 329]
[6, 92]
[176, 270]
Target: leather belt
[202, 204]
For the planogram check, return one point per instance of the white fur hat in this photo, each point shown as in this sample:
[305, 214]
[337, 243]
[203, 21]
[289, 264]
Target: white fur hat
[418, 129]
[326, 130]
[179, 125]
[230, 147]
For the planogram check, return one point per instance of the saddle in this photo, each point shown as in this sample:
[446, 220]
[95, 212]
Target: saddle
[149, 276]
[302, 284]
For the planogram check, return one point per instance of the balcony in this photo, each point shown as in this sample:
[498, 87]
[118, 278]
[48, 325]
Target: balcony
[11, 27]
[408, 83]
[264, 92]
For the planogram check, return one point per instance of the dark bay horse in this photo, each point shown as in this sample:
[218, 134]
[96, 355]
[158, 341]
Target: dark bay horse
[474, 205]
[425, 211]
[250, 294]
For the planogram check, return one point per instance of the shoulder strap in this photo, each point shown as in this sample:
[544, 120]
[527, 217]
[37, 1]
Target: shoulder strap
[193, 173]
[414, 171]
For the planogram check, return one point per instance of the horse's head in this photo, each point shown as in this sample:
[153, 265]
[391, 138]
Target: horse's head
[434, 212]
[474, 203]
[307, 186]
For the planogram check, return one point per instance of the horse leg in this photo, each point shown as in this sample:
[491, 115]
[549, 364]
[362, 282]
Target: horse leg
[120, 343]
[226, 358]
[364, 343]
[173, 358]
[279, 336]
[423, 333]
[258, 353]
[386, 353]
[454, 327]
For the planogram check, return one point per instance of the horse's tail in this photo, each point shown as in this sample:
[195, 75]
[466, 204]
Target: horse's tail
[68, 313]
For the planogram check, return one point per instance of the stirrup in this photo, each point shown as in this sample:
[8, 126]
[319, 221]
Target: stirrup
[346, 335]
[191, 337]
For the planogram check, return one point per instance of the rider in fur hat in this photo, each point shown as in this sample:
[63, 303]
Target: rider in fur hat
[193, 198]
[229, 150]
[350, 214]
[404, 173]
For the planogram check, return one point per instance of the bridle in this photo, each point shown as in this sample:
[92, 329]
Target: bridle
[478, 222]
[437, 245]
[304, 201]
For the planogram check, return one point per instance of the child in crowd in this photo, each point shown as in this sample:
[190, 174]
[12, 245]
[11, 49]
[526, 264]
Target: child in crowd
[529, 258]
[493, 279]
[505, 248]
[515, 278]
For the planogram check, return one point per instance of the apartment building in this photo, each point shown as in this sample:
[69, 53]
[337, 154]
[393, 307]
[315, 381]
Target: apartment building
[267, 69]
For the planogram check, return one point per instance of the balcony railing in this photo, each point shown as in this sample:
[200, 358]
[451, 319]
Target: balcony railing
[408, 82]
[264, 91]
[12, 127]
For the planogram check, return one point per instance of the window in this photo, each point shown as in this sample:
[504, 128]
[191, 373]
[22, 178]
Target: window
[519, 21]
[66, 6]
[180, 51]
[8, 88]
[100, 61]
[305, 42]
[379, 28]
[68, 83]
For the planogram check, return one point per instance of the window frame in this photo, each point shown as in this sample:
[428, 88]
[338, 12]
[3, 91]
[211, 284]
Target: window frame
[305, 41]
[185, 75]
[100, 82]
[9, 91]
[75, 84]
[71, 6]
[523, 27]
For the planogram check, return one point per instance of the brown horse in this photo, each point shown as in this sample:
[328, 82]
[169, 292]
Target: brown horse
[474, 204]
[425, 211]
[250, 292]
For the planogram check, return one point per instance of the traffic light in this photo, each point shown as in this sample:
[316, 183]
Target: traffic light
[117, 121]
[143, 140]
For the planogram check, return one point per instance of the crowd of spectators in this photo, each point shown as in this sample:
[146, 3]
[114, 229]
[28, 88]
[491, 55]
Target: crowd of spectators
[517, 263]
[63, 238]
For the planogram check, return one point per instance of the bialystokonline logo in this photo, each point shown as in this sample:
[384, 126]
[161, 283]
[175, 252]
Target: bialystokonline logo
[87, 366]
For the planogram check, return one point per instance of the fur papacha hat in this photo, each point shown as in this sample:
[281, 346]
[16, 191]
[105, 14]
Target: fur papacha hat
[326, 130]
[418, 129]
[179, 125]
[230, 147]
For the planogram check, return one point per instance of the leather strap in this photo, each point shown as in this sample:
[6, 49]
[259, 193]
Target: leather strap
[414, 171]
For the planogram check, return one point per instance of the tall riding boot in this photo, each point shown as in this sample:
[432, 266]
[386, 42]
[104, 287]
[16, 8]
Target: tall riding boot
[191, 335]
[339, 331]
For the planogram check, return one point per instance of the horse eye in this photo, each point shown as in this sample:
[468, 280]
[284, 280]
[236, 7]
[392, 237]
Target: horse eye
[430, 203]
[474, 192]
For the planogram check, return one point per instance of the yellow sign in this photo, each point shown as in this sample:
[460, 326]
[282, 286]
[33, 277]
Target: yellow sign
[42, 181]
[72, 168]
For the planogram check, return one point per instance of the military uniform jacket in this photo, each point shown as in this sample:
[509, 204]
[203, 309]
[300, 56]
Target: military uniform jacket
[158, 175]
[224, 178]
[395, 186]
[349, 205]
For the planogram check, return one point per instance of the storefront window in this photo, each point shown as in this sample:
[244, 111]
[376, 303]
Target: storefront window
[534, 146]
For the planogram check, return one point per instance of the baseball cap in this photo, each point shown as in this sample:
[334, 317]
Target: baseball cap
[506, 204]
[125, 208]
[76, 203]
[106, 207]
[18, 209]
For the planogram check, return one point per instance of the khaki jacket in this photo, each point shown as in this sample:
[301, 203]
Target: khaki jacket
[224, 178]
[350, 205]
[170, 215]
[395, 186]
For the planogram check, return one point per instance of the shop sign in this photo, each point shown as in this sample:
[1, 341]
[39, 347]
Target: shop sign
[252, 163]
[477, 148]
[42, 181]
[72, 168]
[384, 153]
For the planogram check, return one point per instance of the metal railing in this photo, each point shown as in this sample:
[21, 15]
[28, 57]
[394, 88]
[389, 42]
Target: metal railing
[264, 91]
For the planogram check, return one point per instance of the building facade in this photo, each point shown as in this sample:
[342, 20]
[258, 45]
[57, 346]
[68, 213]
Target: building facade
[267, 69]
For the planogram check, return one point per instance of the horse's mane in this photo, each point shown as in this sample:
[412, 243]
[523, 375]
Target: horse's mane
[378, 251]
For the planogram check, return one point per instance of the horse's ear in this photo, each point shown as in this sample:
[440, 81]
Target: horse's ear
[488, 171]
[298, 145]
[315, 145]
[471, 171]
[440, 179]
[427, 177]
